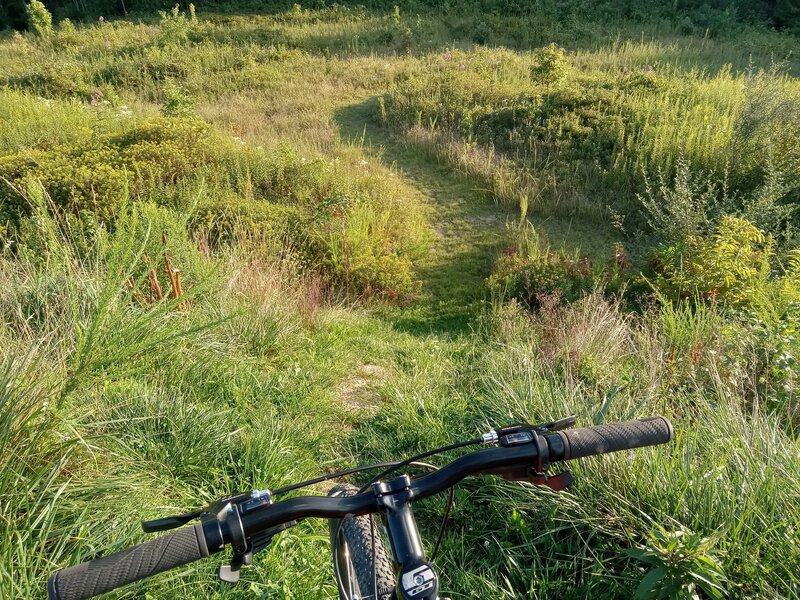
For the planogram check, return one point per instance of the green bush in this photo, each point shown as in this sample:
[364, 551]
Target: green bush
[551, 65]
[528, 273]
[39, 19]
[552, 274]
[482, 33]
[522, 112]
[366, 269]
[77, 177]
[344, 228]
[683, 207]
[66, 26]
[54, 79]
[352, 241]
[731, 267]
[177, 101]
[176, 26]
[97, 173]
[691, 203]
[229, 219]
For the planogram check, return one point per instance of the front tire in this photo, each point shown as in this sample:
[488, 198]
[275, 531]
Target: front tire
[359, 555]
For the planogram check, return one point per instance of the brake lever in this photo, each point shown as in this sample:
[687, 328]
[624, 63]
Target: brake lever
[174, 521]
[520, 434]
[229, 511]
[559, 424]
[495, 434]
[558, 482]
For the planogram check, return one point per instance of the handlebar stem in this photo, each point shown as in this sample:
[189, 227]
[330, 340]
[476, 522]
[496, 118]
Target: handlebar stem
[416, 578]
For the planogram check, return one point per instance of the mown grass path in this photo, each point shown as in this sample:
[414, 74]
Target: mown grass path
[470, 228]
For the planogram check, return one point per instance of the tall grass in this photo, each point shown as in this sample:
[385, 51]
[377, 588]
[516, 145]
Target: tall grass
[583, 145]
[114, 411]
[731, 474]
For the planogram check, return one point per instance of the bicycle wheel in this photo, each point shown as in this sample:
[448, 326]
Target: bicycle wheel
[362, 568]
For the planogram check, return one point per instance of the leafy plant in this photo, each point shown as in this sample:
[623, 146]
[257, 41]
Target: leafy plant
[732, 266]
[230, 219]
[176, 26]
[551, 66]
[682, 207]
[682, 565]
[177, 101]
[95, 172]
[39, 19]
[527, 272]
[66, 26]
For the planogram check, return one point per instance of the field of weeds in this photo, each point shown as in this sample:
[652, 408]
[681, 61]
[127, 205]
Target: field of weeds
[244, 246]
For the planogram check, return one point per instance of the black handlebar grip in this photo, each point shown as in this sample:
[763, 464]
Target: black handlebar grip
[115, 570]
[589, 441]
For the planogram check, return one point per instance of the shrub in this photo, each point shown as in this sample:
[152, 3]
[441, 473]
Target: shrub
[97, 172]
[767, 127]
[340, 240]
[350, 229]
[731, 267]
[692, 202]
[228, 219]
[40, 20]
[77, 177]
[175, 26]
[177, 101]
[553, 273]
[367, 269]
[353, 244]
[54, 79]
[481, 34]
[66, 26]
[551, 66]
[682, 207]
[527, 272]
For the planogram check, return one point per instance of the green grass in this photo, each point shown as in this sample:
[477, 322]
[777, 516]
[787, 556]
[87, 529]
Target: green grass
[279, 367]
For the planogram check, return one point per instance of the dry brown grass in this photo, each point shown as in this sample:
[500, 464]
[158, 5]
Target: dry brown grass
[275, 286]
[591, 334]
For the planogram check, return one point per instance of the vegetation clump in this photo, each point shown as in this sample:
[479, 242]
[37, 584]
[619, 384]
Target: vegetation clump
[39, 19]
[550, 65]
[336, 227]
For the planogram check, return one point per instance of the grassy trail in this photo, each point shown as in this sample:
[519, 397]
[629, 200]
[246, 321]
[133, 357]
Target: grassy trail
[470, 228]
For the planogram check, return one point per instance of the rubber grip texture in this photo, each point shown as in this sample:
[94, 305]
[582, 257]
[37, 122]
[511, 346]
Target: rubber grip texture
[115, 570]
[589, 441]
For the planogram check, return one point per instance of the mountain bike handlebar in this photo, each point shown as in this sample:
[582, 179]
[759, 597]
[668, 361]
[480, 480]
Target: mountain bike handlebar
[522, 448]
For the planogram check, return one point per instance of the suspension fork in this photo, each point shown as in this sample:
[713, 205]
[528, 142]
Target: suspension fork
[416, 579]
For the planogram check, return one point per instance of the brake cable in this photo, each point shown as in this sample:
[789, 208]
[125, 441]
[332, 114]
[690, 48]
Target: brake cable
[337, 475]
[394, 466]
